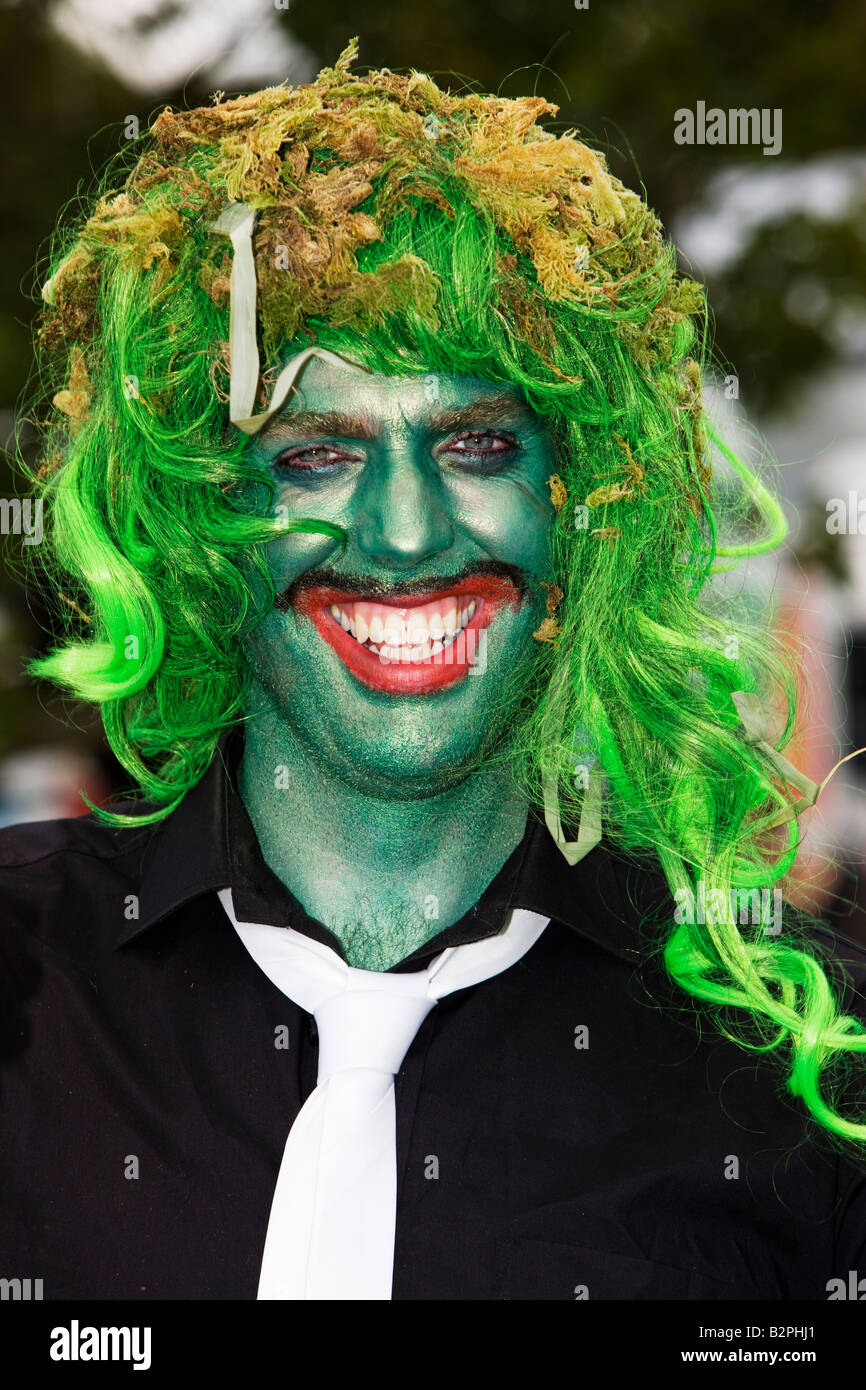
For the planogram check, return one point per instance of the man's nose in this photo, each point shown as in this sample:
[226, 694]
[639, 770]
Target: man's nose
[403, 515]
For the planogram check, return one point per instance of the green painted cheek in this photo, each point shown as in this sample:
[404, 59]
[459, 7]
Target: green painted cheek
[510, 517]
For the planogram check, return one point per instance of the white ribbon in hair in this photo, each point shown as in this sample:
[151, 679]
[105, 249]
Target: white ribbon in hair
[237, 221]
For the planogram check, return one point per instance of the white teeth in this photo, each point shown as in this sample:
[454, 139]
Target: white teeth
[417, 639]
[395, 631]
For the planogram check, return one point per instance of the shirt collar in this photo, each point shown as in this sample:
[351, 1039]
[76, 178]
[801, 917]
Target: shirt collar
[209, 843]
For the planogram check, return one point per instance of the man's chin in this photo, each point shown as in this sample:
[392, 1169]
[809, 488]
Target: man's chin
[396, 768]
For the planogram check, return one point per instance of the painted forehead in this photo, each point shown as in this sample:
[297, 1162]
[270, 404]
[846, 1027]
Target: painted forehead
[327, 401]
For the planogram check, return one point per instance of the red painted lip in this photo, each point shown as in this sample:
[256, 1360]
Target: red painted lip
[417, 677]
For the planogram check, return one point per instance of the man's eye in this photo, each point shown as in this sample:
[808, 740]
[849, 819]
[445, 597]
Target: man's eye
[482, 447]
[311, 458]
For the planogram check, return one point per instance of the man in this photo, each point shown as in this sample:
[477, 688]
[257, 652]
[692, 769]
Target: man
[421, 968]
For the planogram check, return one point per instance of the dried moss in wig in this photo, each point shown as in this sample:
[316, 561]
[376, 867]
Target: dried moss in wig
[415, 230]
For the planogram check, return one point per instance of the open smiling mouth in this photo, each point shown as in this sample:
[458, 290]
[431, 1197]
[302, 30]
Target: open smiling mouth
[409, 644]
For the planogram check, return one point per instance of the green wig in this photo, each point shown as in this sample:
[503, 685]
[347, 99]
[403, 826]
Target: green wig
[411, 229]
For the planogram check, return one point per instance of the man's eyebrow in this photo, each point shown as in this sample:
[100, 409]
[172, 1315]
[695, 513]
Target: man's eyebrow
[325, 422]
[492, 410]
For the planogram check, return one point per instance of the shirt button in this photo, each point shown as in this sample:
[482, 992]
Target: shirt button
[312, 1031]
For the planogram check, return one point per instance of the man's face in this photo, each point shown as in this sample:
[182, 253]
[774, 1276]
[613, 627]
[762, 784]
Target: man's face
[388, 657]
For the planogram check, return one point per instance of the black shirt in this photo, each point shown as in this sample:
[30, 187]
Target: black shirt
[573, 1127]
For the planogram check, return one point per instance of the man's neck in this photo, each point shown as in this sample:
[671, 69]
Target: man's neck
[383, 874]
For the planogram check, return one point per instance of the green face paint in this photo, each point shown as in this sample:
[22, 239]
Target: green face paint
[440, 485]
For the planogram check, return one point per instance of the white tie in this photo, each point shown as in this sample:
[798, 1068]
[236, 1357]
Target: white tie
[331, 1228]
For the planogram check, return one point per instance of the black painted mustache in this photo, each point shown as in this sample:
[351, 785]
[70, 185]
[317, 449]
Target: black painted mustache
[366, 587]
